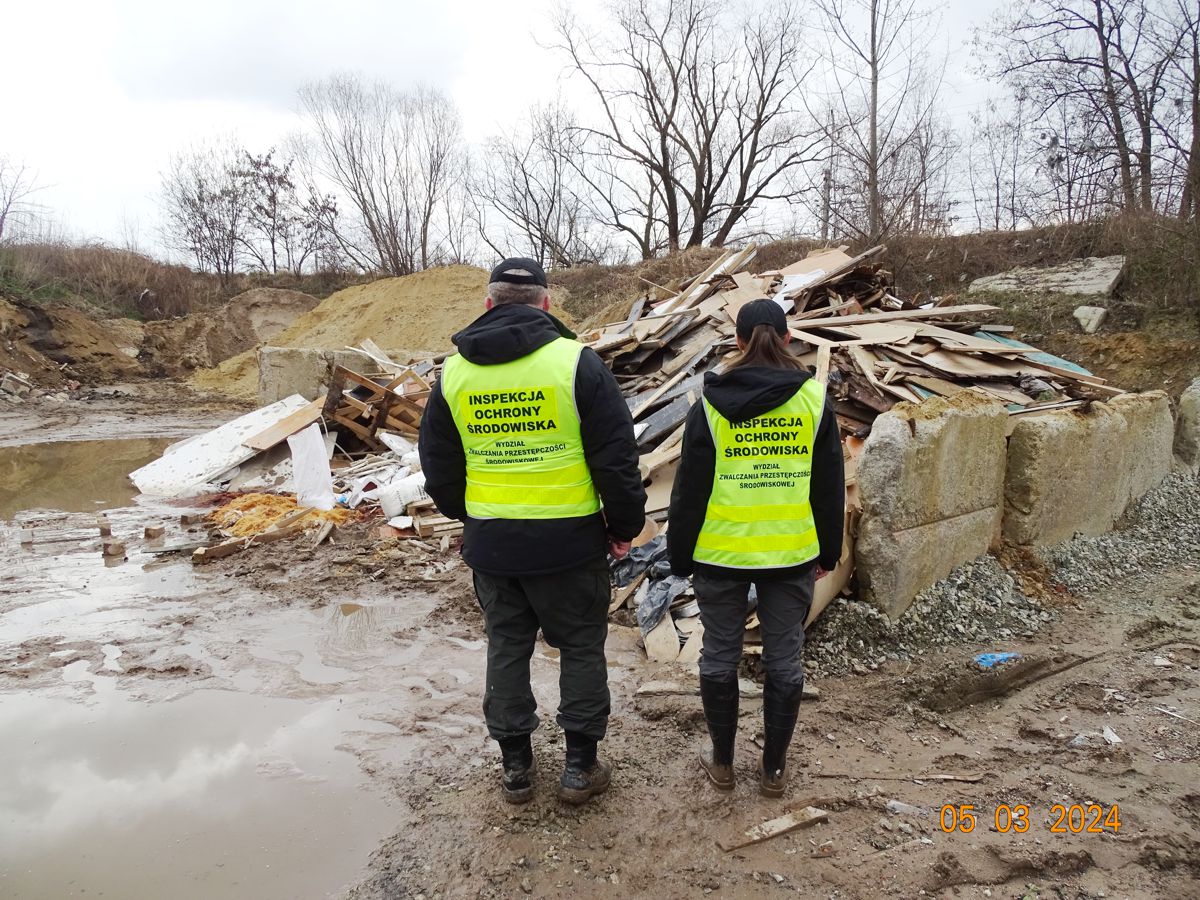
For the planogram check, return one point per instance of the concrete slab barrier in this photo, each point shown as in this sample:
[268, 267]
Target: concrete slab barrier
[931, 483]
[1076, 471]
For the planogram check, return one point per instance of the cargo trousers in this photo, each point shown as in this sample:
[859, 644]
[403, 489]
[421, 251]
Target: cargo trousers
[783, 605]
[571, 608]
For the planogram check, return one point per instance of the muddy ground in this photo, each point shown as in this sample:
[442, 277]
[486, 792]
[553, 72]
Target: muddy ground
[293, 722]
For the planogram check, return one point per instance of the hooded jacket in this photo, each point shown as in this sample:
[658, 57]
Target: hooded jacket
[515, 547]
[740, 394]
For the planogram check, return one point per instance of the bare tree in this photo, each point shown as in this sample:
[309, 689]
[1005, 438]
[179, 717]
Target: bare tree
[529, 182]
[282, 231]
[1098, 57]
[885, 84]
[1176, 35]
[18, 183]
[394, 157]
[207, 203]
[698, 118]
[1002, 167]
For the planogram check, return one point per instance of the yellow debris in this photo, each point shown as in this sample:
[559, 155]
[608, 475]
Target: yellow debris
[255, 513]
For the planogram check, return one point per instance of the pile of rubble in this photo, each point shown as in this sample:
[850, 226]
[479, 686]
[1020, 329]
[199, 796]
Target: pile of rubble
[355, 447]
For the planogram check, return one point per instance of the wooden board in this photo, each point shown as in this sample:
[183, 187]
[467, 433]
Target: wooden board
[665, 420]
[285, 427]
[236, 545]
[967, 309]
[800, 818]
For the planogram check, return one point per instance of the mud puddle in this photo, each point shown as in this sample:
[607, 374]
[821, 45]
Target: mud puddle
[213, 794]
[74, 476]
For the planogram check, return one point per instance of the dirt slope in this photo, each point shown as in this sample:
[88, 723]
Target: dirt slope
[416, 312]
[182, 345]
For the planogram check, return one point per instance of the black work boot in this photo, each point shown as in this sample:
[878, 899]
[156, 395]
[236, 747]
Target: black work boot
[517, 756]
[720, 699]
[585, 774]
[781, 708]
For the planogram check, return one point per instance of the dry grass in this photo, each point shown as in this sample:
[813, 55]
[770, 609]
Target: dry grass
[112, 281]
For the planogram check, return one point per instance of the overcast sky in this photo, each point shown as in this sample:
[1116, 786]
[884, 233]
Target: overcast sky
[97, 94]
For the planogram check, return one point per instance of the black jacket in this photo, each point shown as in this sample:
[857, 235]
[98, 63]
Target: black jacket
[538, 546]
[741, 394]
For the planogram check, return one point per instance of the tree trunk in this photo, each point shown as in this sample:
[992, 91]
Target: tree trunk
[1114, 111]
[875, 214]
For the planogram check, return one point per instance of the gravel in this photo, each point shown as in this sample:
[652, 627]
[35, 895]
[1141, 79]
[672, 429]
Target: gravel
[1160, 530]
[980, 603]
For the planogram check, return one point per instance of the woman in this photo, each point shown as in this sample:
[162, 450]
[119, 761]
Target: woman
[759, 498]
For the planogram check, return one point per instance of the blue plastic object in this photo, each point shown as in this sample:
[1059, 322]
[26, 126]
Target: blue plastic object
[991, 660]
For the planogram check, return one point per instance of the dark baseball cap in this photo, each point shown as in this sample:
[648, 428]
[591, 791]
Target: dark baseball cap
[505, 272]
[761, 312]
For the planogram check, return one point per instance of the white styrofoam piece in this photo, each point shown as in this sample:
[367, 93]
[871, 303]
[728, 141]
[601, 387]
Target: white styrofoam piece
[189, 464]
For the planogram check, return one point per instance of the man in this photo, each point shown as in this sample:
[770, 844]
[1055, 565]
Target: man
[525, 438]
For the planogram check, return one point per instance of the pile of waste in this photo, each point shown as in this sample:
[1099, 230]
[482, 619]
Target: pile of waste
[355, 447]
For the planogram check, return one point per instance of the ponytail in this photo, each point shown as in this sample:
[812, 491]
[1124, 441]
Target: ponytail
[767, 347]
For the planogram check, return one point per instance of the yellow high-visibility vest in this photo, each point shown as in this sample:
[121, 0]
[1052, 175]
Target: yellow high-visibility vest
[520, 432]
[759, 515]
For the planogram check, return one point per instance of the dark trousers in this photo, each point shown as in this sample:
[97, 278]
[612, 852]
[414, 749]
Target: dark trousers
[782, 608]
[571, 608]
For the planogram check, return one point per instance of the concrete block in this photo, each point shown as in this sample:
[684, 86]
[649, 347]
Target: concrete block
[283, 371]
[1090, 318]
[1091, 277]
[894, 566]
[1073, 472]
[1187, 430]
[931, 484]
[1066, 474]
[1151, 433]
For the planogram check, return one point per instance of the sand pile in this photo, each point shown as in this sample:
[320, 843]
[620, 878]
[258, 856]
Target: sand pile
[414, 313]
[201, 341]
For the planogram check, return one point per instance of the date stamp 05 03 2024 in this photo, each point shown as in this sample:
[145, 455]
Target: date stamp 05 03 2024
[1017, 818]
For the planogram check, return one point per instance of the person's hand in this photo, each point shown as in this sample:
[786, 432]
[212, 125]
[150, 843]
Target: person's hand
[618, 549]
[821, 573]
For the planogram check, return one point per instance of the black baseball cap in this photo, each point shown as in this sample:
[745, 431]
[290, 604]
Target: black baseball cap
[761, 312]
[505, 272]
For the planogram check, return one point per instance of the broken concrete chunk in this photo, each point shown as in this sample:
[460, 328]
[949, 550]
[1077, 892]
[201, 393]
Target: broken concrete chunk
[1090, 318]
[15, 385]
[1091, 277]
[1187, 430]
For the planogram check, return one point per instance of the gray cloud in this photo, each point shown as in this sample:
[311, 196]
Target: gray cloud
[259, 52]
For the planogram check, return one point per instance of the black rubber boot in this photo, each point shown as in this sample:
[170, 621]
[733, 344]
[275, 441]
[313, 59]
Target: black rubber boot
[585, 773]
[517, 756]
[720, 699]
[781, 708]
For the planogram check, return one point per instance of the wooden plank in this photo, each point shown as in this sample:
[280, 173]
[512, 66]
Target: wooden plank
[692, 295]
[824, 355]
[792, 821]
[662, 641]
[665, 420]
[939, 386]
[236, 545]
[683, 373]
[893, 315]
[621, 595]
